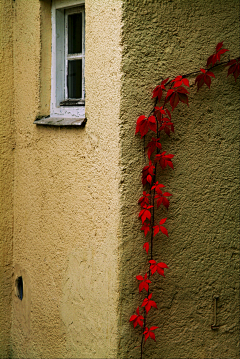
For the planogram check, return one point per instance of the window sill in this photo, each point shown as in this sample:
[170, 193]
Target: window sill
[60, 121]
[72, 103]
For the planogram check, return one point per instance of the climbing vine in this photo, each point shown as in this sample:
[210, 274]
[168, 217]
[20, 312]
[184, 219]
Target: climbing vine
[169, 92]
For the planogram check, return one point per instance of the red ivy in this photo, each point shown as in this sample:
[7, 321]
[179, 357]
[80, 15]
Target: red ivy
[234, 68]
[160, 120]
[148, 173]
[144, 282]
[179, 81]
[164, 160]
[148, 303]
[149, 333]
[161, 228]
[152, 145]
[146, 247]
[204, 78]
[145, 213]
[158, 91]
[144, 124]
[146, 228]
[176, 94]
[216, 57]
[144, 200]
[137, 319]
[159, 267]
[161, 197]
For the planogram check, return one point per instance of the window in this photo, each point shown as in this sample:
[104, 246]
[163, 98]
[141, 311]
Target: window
[74, 57]
[68, 63]
[68, 58]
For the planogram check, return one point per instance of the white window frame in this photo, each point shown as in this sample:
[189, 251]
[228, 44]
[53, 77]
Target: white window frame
[60, 10]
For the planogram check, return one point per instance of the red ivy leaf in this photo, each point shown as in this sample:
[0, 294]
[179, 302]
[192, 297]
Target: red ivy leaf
[164, 230]
[166, 126]
[157, 267]
[145, 213]
[219, 46]
[146, 172]
[149, 333]
[148, 303]
[146, 247]
[164, 160]
[144, 200]
[156, 230]
[144, 124]
[165, 202]
[137, 319]
[167, 194]
[174, 100]
[176, 94]
[179, 80]
[234, 68]
[217, 55]
[146, 228]
[162, 221]
[160, 227]
[165, 122]
[157, 186]
[152, 145]
[183, 98]
[149, 179]
[152, 123]
[144, 282]
[204, 78]
[157, 92]
[160, 111]
[161, 198]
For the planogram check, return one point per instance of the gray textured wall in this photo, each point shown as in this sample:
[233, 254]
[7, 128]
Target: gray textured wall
[161, 39]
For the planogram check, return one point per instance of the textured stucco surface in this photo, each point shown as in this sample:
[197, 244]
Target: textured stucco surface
[6, 173]
[161, 39]
[66, 202]
[72, 221]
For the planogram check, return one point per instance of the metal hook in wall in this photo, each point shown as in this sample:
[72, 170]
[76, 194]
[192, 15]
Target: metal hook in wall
[214, 325]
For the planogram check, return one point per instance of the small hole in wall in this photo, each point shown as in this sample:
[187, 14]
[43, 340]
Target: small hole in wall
[19, 287]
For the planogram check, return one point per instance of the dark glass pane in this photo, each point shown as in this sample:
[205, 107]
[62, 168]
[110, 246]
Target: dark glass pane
[75, 79]
[75, 33]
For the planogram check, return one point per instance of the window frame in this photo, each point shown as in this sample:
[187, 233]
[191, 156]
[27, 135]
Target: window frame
[60, 106]
[75, 56]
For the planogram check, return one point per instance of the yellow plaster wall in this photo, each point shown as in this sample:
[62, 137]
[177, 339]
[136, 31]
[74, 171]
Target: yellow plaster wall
[6, 173]
[66, 201]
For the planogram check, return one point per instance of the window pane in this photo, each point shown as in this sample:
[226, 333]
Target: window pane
[75, 79]
[75, 33]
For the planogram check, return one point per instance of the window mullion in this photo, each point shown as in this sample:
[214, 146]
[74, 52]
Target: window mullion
[74, 57]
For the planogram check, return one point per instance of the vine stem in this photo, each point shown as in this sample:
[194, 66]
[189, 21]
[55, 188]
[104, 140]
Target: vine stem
[189, 74]
[152, 232]
[152, 193]
[206, 69]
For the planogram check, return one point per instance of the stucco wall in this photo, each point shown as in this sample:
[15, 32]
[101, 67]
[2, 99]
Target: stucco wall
[66, 200]
[169, 38]
[72, 222]
[6, 173]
